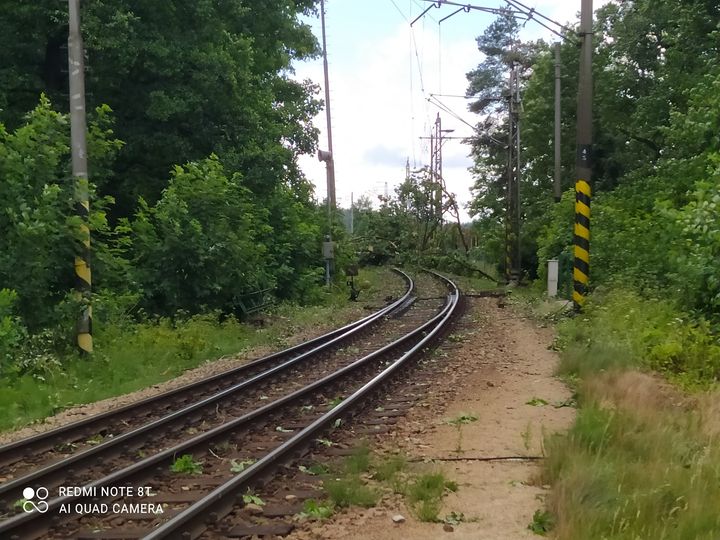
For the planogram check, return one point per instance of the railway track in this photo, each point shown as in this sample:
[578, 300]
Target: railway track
[288, 414]
[28, 454]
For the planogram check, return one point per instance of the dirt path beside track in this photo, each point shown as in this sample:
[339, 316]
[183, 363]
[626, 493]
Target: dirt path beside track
[497, 367]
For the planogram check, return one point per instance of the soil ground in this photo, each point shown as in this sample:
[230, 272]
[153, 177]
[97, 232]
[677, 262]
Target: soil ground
[499, 368]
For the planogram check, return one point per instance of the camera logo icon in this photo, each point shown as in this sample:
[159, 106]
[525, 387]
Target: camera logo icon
[29, 494]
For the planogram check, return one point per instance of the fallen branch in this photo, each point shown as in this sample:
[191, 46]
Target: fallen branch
[486, 294]
[492, 458]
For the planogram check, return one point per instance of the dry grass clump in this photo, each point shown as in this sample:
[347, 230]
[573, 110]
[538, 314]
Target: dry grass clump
[641, 462]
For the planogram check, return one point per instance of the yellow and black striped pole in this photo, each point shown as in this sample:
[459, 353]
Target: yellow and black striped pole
[83, 281]
[581, 270]
[78, 128]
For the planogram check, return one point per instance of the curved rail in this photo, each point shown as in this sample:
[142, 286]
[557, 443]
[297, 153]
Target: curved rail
[50, 475]
[14, 451]
[191, 520]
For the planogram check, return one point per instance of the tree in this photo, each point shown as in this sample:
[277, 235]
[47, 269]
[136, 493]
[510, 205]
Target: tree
[488, 83]
[186, 79]
[199, 247]
[38, 223]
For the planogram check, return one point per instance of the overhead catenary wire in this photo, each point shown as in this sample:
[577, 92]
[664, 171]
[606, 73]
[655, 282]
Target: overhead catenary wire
[514, 7]
[471, 7]
[458, 96]
[434, 101]
[439, 53]
[410, 56]
[532, 11]
[399, 11]
[412, 93]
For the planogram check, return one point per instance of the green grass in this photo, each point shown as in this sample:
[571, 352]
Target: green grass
[131, 356]
[350, 490]
[359, 461]
[361, 478]
[619, 474]
[641, 460]
[346, 485]
[425, 493]
[621, 329]
[387, 469]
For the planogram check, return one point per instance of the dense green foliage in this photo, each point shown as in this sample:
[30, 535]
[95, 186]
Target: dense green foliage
[656, 154]
[186, 255]
[185, 78]
[620, 329]
[39, 229]
[195, 127]
[205, 243]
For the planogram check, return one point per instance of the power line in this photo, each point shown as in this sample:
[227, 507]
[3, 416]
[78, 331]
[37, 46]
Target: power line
[400, 11]
[435, 101]
[412, 95]
[515, 7]
[453, 96]
[417, 57]
[439, 52]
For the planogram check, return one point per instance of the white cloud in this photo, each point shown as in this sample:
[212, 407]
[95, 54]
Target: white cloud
[379, 109]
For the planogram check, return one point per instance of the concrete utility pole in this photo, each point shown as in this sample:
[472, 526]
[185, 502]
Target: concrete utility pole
[517, 271]
[508, 192]
[557, 185]
[329, 159]
[583, 193]
[78, 143]
[330, 163]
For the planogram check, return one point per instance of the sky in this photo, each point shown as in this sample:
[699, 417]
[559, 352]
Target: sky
[384, 75]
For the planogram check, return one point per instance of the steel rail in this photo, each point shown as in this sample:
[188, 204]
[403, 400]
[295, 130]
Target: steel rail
[49, 475]
[14, 451]
[33, 525]
[190, 523]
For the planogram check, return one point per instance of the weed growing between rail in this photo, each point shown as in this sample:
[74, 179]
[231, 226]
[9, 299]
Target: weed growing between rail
[185, 464]
[130, 356]
[641, 459]
[362, 478]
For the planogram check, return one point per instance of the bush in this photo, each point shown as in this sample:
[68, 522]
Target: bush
[621, 328]
[12, 333]
[199, 247]
[38, 223]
